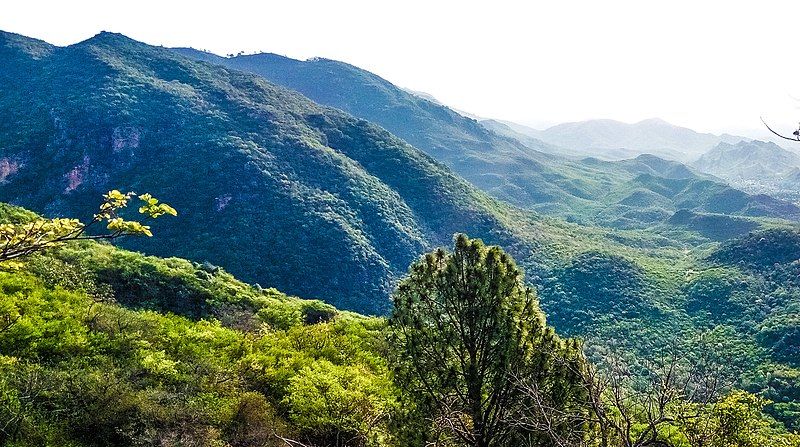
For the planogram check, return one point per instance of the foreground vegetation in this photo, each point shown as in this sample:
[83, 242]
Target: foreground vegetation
[239, 365]
[101, 346]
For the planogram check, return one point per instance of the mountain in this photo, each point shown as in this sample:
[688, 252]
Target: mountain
[748, 160]
[269, 184]
[492, 156]
[501, 166]
[756, 166]
[529, 137]
[441, 132]
[614, 139]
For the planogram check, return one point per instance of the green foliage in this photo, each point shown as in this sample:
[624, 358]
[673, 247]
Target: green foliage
[35, 235]
[781, 333]
[713, 290]
[339, 405]
[735, 420]
[593, 286]
[174, 285]
[15, 215]
[761, 250]
[75, 371]
[78, 369]
[464, 327]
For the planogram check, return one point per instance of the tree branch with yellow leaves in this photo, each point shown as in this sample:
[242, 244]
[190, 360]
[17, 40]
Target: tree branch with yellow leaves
[22, 239]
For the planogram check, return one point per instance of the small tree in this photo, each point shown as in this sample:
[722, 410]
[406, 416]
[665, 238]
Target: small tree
[465, 329]
[22, 239]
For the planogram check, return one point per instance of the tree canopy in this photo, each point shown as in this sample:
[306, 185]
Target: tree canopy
[466, 332]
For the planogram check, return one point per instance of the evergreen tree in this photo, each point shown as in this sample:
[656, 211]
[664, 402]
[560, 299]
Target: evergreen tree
[468, 333]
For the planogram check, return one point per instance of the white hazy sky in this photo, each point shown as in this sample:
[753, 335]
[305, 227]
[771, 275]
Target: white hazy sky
[710, 65]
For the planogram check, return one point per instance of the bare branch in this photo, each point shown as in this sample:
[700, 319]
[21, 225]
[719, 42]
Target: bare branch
[796, 133]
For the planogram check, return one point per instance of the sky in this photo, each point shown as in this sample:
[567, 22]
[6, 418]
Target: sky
[710, 65]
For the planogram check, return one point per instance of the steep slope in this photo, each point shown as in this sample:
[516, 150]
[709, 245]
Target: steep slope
[505, 168]
[270, 185]
[655, 136]
[495, 158]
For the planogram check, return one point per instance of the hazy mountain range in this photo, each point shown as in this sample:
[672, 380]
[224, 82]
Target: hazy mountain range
[748, 161]
[755, 166]
[617, 140]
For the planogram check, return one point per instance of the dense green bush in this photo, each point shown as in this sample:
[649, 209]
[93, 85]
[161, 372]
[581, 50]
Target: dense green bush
[78, 368]
[595, 285]
[761, 249]
[712, 292]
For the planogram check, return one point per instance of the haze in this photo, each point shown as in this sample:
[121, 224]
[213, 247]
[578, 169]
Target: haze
[711, 66]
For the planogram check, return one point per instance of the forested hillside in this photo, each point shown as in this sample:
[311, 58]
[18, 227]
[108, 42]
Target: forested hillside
[271, 185]
[523, 171]
[100, 347]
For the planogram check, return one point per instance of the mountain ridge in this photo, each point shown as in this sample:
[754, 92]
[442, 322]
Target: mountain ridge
[755, 166]
[110, 108]
[528, 173]
[652, 135]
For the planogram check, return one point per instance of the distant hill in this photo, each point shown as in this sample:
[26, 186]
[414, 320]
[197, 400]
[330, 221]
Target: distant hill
[615, 139]
[749, 161]
[756, 167]
[528, 136]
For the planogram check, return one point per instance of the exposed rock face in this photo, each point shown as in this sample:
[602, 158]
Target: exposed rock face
[77, 175]
[8, 167]
[125, 139]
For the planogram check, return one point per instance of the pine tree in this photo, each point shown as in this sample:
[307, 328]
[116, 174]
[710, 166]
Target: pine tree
[468, 333]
